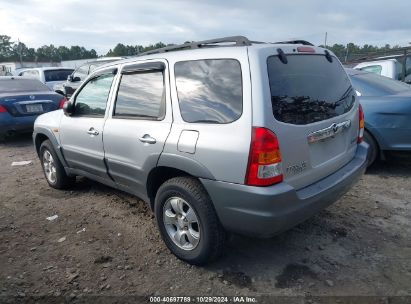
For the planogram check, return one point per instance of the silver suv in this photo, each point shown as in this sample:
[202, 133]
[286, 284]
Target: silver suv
[224, 135]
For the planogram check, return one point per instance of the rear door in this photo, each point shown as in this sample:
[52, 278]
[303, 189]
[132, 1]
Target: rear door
[138, 124]
[313, 110]
[81, 134]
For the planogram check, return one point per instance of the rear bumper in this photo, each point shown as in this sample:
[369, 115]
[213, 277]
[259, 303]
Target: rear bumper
[10, 124]
[266, 211]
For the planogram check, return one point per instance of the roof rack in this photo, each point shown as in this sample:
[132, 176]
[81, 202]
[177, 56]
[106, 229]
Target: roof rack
[226, 41]
[234, 40]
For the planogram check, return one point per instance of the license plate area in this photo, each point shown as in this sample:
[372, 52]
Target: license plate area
[327, 149]
[34, 108]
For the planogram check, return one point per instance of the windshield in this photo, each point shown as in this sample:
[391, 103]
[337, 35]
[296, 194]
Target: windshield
[12, 85]
[369, 84]
[57, 75]
[308, 88]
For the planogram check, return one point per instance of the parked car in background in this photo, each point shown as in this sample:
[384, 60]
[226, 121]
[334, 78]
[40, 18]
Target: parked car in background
[387, 109]
[218, 135]
[391, 67]
[50, 76]
[75, 79]
[21, 101]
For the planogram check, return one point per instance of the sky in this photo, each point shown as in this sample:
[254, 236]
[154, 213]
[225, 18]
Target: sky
[102, 24]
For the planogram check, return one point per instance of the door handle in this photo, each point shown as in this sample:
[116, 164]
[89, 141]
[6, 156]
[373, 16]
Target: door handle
[146, 138]
[92, 131]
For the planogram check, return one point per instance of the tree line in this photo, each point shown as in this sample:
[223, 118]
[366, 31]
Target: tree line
[18, 51]
[351, 51]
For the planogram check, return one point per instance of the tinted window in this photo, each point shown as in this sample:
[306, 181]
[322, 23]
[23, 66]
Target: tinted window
[308, 89]
[376, 69]
[209, 90]
[56, 75]
[21, 85]
[141, 95]
[92, 99]
[369, 84]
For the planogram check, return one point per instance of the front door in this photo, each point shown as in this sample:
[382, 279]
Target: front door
[81, 134]
[138, 124]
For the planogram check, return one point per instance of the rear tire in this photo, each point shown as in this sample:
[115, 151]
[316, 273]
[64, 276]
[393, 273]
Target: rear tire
[373, 150]
[188, 222]
[53, 169]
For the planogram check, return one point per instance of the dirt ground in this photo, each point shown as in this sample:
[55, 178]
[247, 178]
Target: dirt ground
[105, 242]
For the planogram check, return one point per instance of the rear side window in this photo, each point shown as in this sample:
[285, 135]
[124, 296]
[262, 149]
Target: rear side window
[141, 95]
[308, 89]
[57, 75]
[209, 90]
[376, 69]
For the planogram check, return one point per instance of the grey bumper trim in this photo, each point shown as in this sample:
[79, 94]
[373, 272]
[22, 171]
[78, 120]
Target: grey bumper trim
[266, 211]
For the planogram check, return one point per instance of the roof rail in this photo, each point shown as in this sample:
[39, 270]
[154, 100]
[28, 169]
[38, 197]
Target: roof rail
[235, 40]
[304, 42]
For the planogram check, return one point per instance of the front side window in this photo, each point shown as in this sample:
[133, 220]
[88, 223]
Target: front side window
[209, 90]
[308, 88]
[141, 95]
[92, 99]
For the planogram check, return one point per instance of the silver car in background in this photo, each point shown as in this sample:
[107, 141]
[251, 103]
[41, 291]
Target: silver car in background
[50, 76]
[224, 135]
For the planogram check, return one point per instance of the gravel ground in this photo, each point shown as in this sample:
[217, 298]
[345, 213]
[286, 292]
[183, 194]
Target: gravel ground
[105, 242]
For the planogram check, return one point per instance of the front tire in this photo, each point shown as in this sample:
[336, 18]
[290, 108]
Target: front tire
[53, 169]
[188, 222]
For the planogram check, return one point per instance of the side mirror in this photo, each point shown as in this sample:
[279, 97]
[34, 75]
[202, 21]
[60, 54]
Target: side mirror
[70, 78]
[68, 108]
[75, 79]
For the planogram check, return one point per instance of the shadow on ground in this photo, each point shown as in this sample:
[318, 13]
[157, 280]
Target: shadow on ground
[396, 164]
[18, 141]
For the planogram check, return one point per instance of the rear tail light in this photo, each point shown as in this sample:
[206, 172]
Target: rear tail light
[62, 102]
[360, 125]
[2, 109]
[264, 161]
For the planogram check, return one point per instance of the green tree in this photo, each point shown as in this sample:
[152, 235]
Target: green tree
[6, 47]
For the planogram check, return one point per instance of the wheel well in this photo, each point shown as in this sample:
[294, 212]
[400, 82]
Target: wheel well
[157, 177]
[380, 152]
[373, 137]
[39, 140]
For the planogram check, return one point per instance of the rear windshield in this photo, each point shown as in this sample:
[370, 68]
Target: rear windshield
[57, 75]
[12, 85]
[369, 84]
[308, 88]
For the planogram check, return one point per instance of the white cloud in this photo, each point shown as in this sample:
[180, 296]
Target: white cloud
[102, 24]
